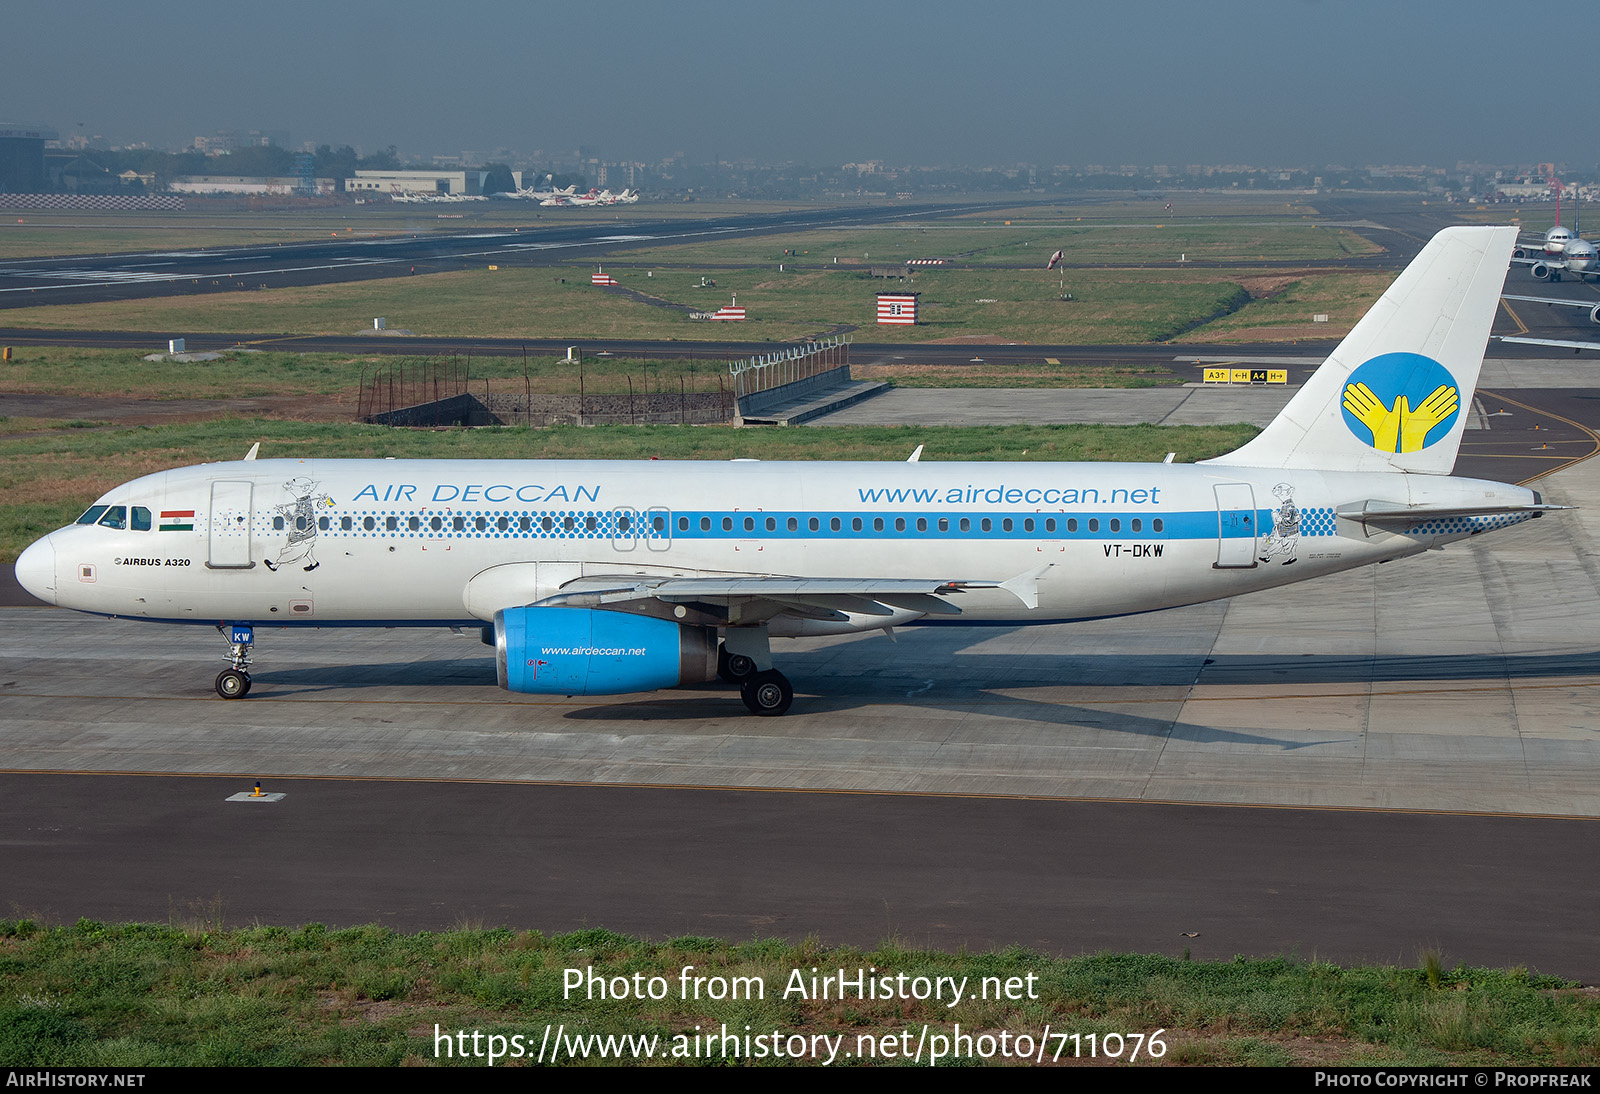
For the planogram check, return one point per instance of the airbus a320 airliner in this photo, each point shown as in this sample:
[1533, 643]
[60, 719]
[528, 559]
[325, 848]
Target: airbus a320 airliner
[599, 578]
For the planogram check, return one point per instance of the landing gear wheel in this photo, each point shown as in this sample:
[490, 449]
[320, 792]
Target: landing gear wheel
[767, 693]
[734, 668]
[233, 684]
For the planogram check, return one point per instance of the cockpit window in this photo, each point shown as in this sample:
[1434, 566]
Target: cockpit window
[116, 517]
[93, 514]
[141, 519]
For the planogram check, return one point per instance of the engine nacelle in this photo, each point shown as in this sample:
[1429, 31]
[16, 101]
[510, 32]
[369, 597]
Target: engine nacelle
[1540, 270]
[1594, 314]
[582, 651]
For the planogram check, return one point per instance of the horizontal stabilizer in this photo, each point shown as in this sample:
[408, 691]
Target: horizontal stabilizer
[1390, 513]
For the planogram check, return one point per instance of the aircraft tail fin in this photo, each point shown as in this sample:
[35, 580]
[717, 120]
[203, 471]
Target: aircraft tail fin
[1395, 395]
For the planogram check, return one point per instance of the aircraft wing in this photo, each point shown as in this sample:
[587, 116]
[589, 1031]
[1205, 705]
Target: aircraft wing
[748, 598]
[1588, 305]
[763, 597]
[1556, 343]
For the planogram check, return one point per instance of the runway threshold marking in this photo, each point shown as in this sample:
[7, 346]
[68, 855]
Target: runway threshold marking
[834, 792]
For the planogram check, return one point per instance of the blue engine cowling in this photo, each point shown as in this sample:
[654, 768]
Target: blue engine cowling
[580, 651]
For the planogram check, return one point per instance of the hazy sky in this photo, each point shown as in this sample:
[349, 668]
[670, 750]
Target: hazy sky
[921, 81]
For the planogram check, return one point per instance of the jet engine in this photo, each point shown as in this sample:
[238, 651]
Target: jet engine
[582, 651]
[1540, 271]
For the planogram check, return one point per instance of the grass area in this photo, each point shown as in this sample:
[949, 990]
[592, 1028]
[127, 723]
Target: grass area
[54, 370]
[134, 996]
[810, 296]
[1282, 307]
[1117, 306]
[46, 481]
[1027, 243]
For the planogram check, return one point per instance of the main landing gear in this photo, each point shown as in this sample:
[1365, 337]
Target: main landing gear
[745, 658]
[234, 682]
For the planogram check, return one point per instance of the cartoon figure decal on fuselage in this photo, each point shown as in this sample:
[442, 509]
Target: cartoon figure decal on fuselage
[1285, 536]
[1401, 402]
[300, 517]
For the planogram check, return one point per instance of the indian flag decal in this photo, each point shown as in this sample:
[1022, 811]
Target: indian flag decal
[177, 520]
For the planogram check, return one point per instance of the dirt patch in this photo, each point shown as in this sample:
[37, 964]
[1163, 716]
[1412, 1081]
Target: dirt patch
[1302, 332]
[1260, 288]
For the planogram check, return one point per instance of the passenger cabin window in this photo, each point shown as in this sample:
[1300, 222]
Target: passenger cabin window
[683, 524]
[986, 525]
[1072, 524]
[922, 524]
[705, 524]
[590, 524]
[1138, 525]
[1156, 524]
[1049, 524]
[1005, 525]
[1094, 524]
[391, 524]
[368, 523]
[966, 524]
[624, 523]
[749, 524]
[834, 524]
[1027, 524]
[277, 524]
[877, 524]
[794, 524]
[346, 524]
[323, 523]
[1116, 525]
[458, 524]
[413, 523]
[814, 524]
[772, 524]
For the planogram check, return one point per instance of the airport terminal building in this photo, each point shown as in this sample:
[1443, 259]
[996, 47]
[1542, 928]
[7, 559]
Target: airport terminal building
[430, 183]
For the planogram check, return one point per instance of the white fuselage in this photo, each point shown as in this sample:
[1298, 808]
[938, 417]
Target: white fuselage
[351, 542]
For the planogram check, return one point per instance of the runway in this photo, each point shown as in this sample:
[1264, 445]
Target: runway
[29, 282]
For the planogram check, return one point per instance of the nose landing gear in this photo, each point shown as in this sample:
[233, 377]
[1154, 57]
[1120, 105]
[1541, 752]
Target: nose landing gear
[234, 682]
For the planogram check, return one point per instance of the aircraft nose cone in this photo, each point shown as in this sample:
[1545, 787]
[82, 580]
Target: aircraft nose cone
[36, 570]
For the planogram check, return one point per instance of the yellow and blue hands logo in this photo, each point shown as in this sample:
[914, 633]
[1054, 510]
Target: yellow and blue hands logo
[1401, 402]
